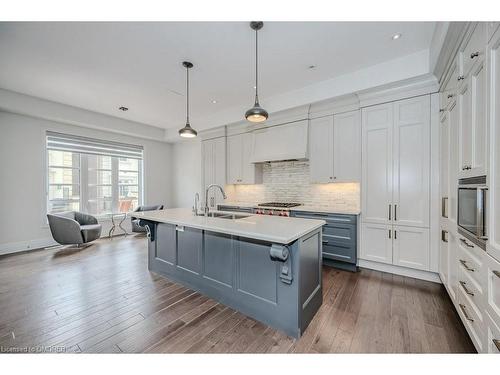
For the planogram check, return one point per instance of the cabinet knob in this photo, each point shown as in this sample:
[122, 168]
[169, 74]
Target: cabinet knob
[331, 178]
[441, 110]
[334, 177]
[474, 54]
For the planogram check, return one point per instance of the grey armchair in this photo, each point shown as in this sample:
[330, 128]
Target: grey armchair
[136, 228]
[74, 228]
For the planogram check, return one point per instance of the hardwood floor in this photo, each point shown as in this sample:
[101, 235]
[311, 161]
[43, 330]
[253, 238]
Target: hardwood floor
[102, 299]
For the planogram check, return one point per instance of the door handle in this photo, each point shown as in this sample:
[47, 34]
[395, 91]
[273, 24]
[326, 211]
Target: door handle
[444, 236]
[463, 308]
[464, 263]
[390, 209]
[395, 212]
[464, 241]
[463, 283]
[475, 54]
[389, 233]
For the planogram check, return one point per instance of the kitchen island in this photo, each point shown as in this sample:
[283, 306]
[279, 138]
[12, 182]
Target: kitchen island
[268, 268]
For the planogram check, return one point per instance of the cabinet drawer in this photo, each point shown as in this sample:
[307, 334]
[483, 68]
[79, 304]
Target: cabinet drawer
[471, 265]
[474, 48]
[329, 218]
[471, 288]
[338, 251]
[492, 336]
[472, 319]
[340, 233]
[493, 288]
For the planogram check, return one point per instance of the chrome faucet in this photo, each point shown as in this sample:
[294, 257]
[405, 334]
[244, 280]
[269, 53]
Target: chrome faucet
[196, 203]
[206, 209]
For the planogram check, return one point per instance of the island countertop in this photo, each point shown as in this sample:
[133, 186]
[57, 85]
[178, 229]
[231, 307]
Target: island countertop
[282, 230]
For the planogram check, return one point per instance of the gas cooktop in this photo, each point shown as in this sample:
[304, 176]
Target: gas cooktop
[279, 204]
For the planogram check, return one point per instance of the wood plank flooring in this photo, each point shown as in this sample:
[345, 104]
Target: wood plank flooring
[103, 299]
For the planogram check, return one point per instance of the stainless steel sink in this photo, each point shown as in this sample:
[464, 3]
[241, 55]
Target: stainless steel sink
[224, 215]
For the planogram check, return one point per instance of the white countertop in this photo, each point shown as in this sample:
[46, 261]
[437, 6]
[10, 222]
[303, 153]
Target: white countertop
[275, 229]
[333, 210]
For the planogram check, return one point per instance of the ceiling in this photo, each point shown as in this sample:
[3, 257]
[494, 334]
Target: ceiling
[102, 66]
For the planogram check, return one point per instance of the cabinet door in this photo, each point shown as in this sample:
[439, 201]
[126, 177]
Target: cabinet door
[347, 147]
[443, 256]
[251, 172]
[444, 155]
[454, 163]
[412, 162]
[478, 120]
[493, 247]
[452, 281]
[219, 165]
[376, 243]
[377, 125]
[465, 121]
[207, 156]
[234, 159]
[411, 247]
[321, 150]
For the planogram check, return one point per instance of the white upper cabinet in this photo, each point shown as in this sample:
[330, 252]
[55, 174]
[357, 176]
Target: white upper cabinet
[473, 148]
[377, 164]
[213, 154]
[473, 49]
[321, 150]
[240, 170]
[281, 142]
[334, 148]
[347, 147]
[411, 162]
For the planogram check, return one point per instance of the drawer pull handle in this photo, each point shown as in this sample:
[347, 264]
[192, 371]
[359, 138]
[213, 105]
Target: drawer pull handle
[496, 273]
[325, 242]
[463, 283]
[497, 344]
[464, 263]
[444, 236]
[462, 307]
[475, 54]
[460, 78]
[450, 96]
[466, 243]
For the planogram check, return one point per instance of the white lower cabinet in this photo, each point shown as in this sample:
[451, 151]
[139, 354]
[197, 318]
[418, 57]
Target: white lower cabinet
[493, 288]
[376, 243]
[411, 247]
[492, 335]
[444, 254]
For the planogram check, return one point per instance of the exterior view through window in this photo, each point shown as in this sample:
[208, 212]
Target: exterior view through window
[92, 176]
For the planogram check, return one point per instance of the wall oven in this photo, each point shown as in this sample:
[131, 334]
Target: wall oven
[471, 218]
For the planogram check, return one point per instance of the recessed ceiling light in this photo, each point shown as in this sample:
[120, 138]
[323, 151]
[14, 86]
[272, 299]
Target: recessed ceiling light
[214, 101]
[124, 109]
[396, 36]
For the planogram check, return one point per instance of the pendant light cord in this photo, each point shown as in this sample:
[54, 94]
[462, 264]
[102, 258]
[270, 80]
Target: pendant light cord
[187, 96]
[256, 66]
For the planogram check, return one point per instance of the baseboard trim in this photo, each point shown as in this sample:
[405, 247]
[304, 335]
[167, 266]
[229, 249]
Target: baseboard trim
[17, 247]
[397, 270]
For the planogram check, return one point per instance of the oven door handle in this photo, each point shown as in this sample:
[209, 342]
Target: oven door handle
[481, 202]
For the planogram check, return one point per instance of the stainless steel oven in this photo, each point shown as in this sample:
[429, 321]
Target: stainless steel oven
[472, 209]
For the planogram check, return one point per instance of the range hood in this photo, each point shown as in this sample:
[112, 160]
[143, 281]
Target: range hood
[280, 142]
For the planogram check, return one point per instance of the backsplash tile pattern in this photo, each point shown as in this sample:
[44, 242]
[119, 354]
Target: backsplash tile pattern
[289, 181]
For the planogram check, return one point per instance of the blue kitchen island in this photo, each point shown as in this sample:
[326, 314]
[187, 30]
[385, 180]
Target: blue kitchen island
[268, 268]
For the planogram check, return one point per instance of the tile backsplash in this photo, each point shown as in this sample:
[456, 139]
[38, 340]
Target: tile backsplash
[289, 181]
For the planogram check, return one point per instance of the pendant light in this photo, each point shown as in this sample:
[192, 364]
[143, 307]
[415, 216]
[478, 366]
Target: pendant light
[256, 113]
[187, 131]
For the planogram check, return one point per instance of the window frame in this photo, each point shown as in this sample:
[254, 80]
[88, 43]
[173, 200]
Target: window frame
[83, 173]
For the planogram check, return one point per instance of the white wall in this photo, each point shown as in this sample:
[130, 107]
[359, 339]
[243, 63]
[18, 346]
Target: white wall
[186, 173]
[22, 176]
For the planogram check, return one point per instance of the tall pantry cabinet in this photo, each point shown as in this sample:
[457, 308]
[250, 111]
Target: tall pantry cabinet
[396, 183]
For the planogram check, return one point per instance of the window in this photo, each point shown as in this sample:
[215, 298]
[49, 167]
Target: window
[92, 176]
